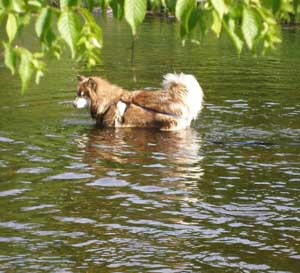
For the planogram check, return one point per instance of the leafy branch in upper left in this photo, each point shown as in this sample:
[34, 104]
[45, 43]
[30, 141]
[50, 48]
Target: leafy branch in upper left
[68, 23]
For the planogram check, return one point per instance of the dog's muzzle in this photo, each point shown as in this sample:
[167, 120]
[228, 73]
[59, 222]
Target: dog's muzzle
[81, 102]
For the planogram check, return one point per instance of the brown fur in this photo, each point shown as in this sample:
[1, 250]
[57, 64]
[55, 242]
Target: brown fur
[155, 109]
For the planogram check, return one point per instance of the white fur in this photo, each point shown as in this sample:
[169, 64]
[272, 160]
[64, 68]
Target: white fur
[195, 94]
[121, 108]
[80, 103]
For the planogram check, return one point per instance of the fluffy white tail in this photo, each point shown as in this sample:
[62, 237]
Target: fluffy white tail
[194, 97]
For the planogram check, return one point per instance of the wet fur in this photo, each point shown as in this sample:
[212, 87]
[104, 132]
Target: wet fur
[171, 108]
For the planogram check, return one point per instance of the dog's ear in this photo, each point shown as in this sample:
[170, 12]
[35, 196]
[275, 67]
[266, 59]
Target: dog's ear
[91, 83]
[80, 78]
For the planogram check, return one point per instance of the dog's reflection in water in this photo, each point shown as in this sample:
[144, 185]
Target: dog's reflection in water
[142, 152]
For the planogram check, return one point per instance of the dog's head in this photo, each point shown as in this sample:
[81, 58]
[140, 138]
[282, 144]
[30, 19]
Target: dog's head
[87, 86]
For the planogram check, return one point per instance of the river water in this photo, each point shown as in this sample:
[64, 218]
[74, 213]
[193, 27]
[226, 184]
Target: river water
[222, 196]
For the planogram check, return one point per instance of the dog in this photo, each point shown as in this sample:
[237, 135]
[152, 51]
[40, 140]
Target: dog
[171, 108]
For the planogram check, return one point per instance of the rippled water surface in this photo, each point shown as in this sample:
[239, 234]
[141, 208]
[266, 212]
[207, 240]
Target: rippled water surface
[222, 196]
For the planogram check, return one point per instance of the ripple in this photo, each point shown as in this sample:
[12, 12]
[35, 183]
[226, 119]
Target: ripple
[18, 226]
[11, 239]
[3, 164]
[78, 220]
[86, 243]
[70, 176]
[158, 165]
[34, 148]
[36, 170]
[77, 166]
[6, 140]
[238, 240]
[77, 122]
[109, 182]
[37, 207]
[12, 192]
[149, 188]
[239, 210]
[56, 233]
[140, 201]
[35, 158]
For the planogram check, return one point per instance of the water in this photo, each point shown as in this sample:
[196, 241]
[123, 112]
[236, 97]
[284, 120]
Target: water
[222, 196]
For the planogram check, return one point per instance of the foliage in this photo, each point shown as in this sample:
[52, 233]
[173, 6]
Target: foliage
[249, 23]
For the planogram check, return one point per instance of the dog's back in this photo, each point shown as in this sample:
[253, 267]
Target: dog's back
[172, 108]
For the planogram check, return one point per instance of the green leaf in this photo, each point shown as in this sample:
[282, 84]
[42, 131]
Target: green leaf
[183, 9]
[90, 20]
[217, 24]
[230, 28]
[183, 12]
[90, 4]
[204, 21]
[39, 74]
[10, 57]
[4, 4]
[2, 14]
[69, 29]
[194, 18]
[11, 27]
[118, 8]
[35, 3]
[250, 26]
[88, 16]
[103, 4]
[24, 19]
[26, 68]
[135, 11]
[295, 6]
[219, 6]
[49, 37]
[235, 10]
[43, 22]
[154, 4]
[170, 4]
[286, 7]
[276, 5]
[68, 3]
[18, 5]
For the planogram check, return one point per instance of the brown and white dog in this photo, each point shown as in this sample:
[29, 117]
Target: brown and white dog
[172, 108]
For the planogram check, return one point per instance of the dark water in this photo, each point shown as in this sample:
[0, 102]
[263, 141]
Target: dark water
[220, 197]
